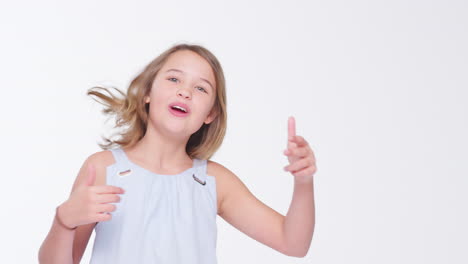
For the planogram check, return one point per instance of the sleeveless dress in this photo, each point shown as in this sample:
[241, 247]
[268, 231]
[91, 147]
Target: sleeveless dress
[160, 219]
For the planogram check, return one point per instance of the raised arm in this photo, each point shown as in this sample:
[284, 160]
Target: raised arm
[300, 219]
[240, 208]
[291, 234]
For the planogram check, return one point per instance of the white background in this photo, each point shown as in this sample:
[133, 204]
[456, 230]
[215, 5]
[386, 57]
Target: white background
[378, 88]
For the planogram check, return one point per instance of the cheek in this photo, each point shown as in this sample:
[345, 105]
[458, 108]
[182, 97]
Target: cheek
[159, 94]
[209, 106]
[159, 86]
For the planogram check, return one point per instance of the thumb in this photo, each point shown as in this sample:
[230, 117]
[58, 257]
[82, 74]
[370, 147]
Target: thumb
[91, 177]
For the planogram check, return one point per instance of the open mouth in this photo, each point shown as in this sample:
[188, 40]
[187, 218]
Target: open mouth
[178, 110]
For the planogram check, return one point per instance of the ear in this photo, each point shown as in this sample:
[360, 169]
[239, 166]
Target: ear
[211, 116]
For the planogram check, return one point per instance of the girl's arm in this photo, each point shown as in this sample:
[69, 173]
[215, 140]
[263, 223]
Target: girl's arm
[57, 247]
[240, 208]
[63, 246]
[290, 234]
[300, 220]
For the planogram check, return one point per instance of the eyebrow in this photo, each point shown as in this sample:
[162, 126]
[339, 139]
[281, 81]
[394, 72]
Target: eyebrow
[203, 79]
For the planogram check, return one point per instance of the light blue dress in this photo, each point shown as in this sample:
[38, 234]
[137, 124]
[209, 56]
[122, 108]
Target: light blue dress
[160, 219]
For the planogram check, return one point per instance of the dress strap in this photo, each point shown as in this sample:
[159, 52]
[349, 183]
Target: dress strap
[121, 159]
[199, 170]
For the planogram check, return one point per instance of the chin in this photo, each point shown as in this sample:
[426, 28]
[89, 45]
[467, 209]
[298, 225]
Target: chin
[178, 129]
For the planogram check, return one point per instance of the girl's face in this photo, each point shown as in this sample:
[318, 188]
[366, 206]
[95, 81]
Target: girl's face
[187, 80]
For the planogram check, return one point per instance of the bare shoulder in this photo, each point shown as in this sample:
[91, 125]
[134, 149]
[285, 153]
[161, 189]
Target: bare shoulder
[226, 182]
[221, 174]
[216, 169]
[100, 160]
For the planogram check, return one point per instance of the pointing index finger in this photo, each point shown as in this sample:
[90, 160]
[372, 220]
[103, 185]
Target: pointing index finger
[291, 131]
[291, 127]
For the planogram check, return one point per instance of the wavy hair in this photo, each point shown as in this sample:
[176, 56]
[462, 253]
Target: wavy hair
[132, 112]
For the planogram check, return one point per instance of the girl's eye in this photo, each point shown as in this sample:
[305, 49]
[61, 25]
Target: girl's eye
[202, 89]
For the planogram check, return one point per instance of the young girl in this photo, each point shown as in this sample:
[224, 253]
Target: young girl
[154, 197]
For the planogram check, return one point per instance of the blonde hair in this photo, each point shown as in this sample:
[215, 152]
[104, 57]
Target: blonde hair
[132, 112]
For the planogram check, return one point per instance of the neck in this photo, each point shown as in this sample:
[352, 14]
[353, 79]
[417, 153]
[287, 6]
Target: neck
[160, 152]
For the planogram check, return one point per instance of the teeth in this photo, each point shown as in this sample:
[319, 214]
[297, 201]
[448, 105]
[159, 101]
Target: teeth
[181, 108]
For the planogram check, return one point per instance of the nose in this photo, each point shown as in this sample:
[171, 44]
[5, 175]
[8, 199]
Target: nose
[185, 93]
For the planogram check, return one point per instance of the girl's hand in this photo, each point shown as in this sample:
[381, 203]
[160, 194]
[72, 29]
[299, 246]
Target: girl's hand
[87, 203]
[300, 155]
